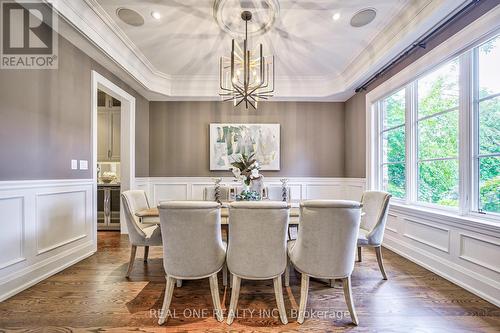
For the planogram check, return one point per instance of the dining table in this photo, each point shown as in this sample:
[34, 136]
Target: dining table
[152, 216]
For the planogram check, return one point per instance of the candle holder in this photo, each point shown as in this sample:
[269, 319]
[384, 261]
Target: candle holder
[284, 189]
[217, 189]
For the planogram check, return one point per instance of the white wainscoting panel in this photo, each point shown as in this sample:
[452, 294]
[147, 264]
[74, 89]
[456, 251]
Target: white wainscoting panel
[324, 191]
[428, 234]
[165, 191]
[480, 251]
[391, 225]
[301, 188]
[47, 226]
[460, 249]
[12, 234]
[60, 219]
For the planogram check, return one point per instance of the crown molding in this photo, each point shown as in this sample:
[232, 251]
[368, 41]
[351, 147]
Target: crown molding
[408, 26]
[92, 21]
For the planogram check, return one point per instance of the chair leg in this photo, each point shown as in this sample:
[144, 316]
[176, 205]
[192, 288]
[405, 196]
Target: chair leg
[359, 254]
[332, 283]
[179, 283]
[146, 253]
[133, 250]
[214, 290]
[348, 299]
[169, 290]
[287, 272]
[235, 294]
[278, 293]
[378, 251]
[304, 288]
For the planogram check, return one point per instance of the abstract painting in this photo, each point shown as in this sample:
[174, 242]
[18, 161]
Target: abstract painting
[229, 141]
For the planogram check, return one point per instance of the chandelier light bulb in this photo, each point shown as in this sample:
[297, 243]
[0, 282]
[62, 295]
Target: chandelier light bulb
[156, 15]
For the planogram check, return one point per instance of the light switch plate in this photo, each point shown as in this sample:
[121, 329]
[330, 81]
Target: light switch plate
[74, 165]
[84, 164]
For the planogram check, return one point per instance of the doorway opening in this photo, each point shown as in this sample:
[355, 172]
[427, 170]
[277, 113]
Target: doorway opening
[113, 135]
[108, 161]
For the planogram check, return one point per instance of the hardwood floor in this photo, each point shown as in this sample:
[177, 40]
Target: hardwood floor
[95, 295]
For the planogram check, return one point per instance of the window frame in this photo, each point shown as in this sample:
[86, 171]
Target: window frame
[476, 156]
[468, 128]
[381, 130]
[416, 119]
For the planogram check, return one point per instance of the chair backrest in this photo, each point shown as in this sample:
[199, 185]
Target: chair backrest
[327, 238]
[257, 238]
[134, 201]
[192, 241]
[209, 193]
[375, 207]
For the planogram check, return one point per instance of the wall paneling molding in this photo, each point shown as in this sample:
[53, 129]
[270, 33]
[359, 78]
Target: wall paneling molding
[47, 225]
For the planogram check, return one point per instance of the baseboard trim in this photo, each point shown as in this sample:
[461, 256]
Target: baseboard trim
[432, 263]
[20, 282]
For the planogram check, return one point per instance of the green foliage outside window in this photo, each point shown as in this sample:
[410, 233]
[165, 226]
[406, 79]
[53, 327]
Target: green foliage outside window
[394, 144]
[489, 167]
[438, 138]
[489, 126]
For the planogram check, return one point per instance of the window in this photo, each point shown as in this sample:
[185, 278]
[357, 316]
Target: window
[393, 144]
[437, 123]
[438, 136]
[487, 147]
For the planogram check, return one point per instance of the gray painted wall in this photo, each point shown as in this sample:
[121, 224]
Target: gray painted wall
[45, 119]
[355, 107]
[355, 136]
[312, 136]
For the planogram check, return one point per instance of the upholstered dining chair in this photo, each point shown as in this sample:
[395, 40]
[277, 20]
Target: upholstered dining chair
[275, 193]
[192, 247]
[257, 247]
[209, 193]
[371, 232]
[325, 246]
[138, 233]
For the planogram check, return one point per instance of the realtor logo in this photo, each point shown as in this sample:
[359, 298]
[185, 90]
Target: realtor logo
[28, 35]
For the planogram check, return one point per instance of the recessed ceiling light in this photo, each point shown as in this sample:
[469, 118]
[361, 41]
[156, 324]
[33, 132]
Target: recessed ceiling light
[130, 16]
[363, 17]
[336, 16]
[156, 15]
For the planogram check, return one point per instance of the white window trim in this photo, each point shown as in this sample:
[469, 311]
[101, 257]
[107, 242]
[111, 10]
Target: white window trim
[474, 34]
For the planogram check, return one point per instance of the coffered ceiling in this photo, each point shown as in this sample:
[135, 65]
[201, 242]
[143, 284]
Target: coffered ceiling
[317, 57]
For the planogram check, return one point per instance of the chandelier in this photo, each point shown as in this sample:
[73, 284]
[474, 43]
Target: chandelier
[243, 76]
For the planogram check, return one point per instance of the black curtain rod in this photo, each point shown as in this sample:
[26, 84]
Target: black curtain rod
[422, 43]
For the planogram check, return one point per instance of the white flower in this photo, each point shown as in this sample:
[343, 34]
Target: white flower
[236, 172]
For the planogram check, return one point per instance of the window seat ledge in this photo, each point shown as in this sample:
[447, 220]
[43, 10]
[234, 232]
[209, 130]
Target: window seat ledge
[471, 222]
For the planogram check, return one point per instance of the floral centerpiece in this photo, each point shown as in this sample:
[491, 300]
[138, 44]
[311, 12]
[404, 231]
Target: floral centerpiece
[242, 169]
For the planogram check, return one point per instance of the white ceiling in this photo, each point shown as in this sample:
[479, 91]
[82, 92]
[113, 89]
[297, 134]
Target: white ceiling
[305, 40]
[176, 57]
